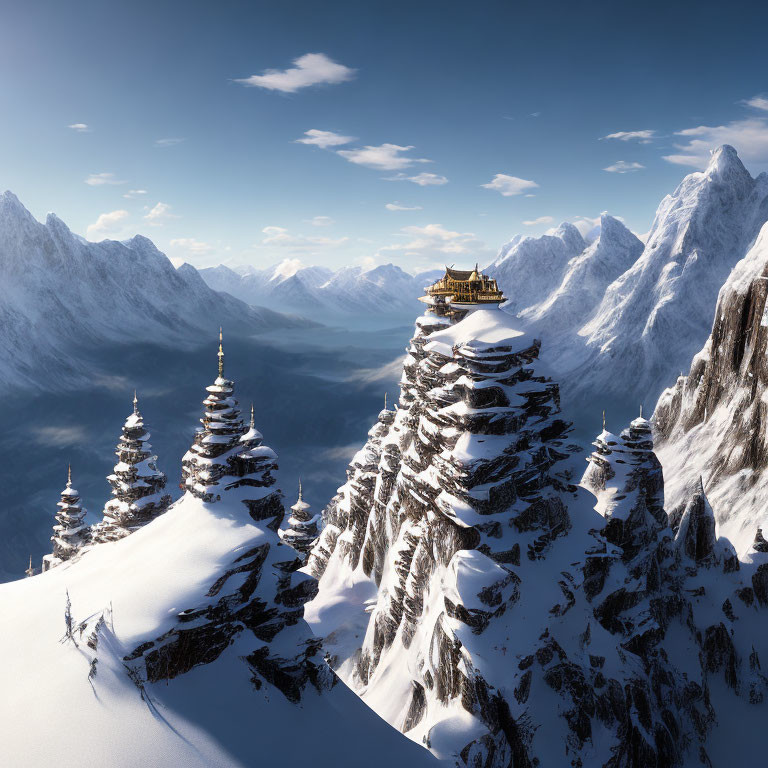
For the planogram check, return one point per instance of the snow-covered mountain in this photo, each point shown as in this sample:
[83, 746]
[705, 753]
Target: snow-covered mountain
[620, 320]
[713, 423]
[59, 292]
[499, 614]
[182, 644]
[385, 289]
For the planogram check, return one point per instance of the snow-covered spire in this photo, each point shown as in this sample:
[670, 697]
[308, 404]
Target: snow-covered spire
[301, 532]
[225, 454]
[30, 571]
[70, 532]
[137, 485]
[221, 353]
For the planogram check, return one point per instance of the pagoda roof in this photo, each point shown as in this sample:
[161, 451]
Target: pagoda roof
[458, 274]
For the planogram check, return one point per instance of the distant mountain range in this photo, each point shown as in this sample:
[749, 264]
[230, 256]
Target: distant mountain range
[321, 292]
[61, 293]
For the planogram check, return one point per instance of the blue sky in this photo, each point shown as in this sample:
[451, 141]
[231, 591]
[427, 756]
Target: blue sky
[158, 118]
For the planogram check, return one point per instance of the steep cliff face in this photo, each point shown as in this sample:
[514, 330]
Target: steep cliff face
[501, 615]
[714, 422]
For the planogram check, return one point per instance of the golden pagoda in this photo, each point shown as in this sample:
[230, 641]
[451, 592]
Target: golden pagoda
[463, 290]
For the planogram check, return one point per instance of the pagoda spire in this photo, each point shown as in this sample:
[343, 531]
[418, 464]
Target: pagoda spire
[135, 403]
[385, 401]
[252, 425]
[220, 354]
[69, 475]
[30, 571]
[603, 419]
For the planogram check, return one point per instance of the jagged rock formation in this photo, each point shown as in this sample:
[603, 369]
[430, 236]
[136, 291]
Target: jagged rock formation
[500, 615]
[70, 533]
[301, 533]
[138, 487]
[714, 422]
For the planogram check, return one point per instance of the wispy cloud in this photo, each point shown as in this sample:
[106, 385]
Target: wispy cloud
[60, 437]
[433, 244]
[622, 166]
[509, 185]
[168, 142]
[387, 157]
[107, 224]
[308, 70]
[422, 179]
[540, 220]
[158, 215]
[132, 194]
[190, 245]
[102, 179]
[282, 238]
[756, 102]
[80, 127]
[324, 139]
[643, 137]
[398, 207]
[321, 221]
[749, 136]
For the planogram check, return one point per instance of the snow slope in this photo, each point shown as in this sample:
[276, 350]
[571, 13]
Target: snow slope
[385, 289]
[60, 293]
[213, 715]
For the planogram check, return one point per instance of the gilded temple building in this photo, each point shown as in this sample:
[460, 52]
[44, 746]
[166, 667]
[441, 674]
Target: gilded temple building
[461, 291]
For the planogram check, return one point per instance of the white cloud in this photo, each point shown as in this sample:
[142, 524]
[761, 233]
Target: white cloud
[756, 102]
[324, 139]
[100, 179]
[280, 237]
[168, 142]
[433, 245]
[309, 69]
[80, 127]
[398, 207]
[192, 246]
[644, 137]
[622, 166]
[387, 157]
[509, 185]
[540, 220]
[749, 136]
[132, 194]
[585, 224]
[158, 215]
[321, 221]
[422, 179]
[106, 224]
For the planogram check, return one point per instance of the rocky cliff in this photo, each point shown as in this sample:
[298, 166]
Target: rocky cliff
[714, 421]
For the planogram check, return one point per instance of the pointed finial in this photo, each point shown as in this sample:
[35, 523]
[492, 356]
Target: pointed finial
[221, 353]
[69, 475]
[299, 489]
[385, 401]
[641, 410]
[253, 425]
[30, 571]
[603, 419]
[135, 402]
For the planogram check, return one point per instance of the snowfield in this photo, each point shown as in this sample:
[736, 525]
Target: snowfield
[52, 714]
